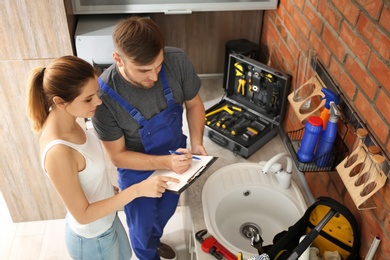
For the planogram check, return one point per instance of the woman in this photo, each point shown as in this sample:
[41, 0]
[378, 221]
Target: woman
[74, 161]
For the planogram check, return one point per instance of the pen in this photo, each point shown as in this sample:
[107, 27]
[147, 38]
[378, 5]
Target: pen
[179, 153]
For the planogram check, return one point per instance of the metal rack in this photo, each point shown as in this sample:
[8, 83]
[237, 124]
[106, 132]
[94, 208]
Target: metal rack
[349, 119]
[293, 141]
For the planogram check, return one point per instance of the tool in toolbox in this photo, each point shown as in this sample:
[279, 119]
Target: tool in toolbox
[240, 73]
[211, 245]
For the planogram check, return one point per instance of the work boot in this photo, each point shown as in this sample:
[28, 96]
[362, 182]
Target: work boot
[166, 252]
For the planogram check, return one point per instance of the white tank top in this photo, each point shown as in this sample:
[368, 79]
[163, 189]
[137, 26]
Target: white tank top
[94, 181]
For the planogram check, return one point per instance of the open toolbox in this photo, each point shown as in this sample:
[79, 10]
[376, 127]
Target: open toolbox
[252, 108]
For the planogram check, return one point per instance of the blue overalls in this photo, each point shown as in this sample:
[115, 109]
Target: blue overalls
[147, 217]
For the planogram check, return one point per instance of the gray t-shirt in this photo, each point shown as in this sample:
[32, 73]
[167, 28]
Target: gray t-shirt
[112, 121]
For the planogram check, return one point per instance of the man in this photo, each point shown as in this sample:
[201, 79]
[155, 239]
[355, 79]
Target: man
[140, 120]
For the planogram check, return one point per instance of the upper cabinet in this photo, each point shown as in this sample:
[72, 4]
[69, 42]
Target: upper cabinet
[168, 6]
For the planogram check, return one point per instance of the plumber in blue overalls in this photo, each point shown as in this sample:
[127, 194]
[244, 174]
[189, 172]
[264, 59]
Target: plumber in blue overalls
[140, 120]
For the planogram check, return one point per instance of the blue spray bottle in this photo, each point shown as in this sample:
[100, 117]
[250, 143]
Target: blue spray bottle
[327, 138]
[330, 96]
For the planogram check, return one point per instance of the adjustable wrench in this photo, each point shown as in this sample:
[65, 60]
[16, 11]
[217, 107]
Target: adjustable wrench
[211, 245]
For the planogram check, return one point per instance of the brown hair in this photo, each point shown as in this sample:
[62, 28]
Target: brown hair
[64, 77]
[138, 39]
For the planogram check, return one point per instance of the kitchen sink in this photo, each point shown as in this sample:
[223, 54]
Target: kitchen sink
[239, 200]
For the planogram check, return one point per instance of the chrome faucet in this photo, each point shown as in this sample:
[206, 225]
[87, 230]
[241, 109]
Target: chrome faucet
[283, 176]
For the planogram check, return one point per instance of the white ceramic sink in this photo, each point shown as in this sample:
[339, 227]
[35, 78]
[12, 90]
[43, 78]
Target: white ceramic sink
[239, 197]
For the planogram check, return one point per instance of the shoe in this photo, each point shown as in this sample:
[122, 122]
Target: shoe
[166, 252]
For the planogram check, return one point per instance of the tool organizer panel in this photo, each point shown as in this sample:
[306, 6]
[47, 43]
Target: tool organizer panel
[252, 107]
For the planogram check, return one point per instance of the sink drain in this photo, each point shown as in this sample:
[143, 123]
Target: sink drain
[248, 230]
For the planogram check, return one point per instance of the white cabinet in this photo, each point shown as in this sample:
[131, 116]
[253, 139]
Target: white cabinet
[167, 6]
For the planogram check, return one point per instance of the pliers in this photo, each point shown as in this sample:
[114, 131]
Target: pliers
[241, 86]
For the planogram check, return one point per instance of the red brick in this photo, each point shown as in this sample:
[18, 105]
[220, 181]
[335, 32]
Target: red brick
[385, 18]
[385, 193]
[377, 39]
[303, 44]
[383, 104]
[270, 15]
[373, 7]
[290, 25]
[288, 59]
[381, 71]
[386, 224]
[371, 221]
[338, 183]
[301, 24]
[377, 125]
[352, 40]
[348, 9]
[313, 18]
[380, 210]
[384, 246]
[279, 25]
[287, 6]
[365, 237]
[330, 16]
[345, 83]
[280, 11]
[332, 40]
[361, 77]
[314, 3]
[322, 51]
[325, 179]
[298, 3]
[317, 187]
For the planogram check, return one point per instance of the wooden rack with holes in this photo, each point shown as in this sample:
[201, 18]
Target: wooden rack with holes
[349, 170]
[314, 108]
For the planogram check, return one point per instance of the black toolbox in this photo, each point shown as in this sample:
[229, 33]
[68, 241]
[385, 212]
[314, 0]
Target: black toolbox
[252, 108]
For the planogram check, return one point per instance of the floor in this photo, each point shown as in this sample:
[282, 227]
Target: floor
[44, 240]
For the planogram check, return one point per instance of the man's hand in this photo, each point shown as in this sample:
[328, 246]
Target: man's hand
[181, 162]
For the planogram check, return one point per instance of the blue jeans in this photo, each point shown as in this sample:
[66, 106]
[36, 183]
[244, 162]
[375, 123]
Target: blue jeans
[113, 244]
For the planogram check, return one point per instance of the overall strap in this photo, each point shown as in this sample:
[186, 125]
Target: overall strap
[121, 101]
[129, 108]
[167, 90]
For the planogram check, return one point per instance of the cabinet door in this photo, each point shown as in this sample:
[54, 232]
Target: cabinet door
[27, 191]
[33, 30]
[203, 35]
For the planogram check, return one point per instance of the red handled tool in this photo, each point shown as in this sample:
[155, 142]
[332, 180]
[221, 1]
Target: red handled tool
[211, 245]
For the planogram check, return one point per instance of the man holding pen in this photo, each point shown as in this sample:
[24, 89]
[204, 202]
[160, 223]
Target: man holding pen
[140, 121]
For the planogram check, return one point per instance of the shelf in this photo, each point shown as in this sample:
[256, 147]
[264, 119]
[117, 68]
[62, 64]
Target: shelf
[293, 141]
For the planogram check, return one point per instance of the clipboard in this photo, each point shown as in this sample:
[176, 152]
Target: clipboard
[198, 167]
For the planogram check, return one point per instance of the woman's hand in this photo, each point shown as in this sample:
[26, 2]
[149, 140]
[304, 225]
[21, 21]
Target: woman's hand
[155, 186]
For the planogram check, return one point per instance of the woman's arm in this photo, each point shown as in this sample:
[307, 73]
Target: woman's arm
[64, 173]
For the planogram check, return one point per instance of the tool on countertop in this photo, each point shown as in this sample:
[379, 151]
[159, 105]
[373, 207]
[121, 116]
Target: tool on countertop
[211, 245]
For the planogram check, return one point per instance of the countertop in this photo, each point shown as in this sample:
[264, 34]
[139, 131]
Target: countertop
[226, 157]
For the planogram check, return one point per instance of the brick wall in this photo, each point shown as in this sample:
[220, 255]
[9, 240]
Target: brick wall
[352, 39]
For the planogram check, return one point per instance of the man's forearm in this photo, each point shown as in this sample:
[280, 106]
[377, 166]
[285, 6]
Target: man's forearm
[140, 161]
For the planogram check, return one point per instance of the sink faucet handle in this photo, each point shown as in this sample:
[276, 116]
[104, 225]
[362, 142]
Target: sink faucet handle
[275, 167]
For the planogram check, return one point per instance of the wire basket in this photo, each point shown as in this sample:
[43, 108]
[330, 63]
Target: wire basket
[293, 141]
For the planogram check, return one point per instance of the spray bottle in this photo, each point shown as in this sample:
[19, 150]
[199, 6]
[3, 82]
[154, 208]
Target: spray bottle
[329, 97]
[327, 137]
